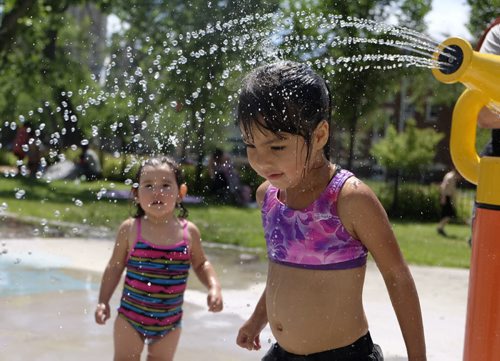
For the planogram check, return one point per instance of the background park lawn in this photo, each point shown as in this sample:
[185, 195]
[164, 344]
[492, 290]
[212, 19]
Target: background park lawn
[83, 206]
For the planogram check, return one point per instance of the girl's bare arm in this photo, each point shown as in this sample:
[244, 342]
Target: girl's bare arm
[113, 271]
[366, 219]
[249, 334]
[488, 118]
[204, 270]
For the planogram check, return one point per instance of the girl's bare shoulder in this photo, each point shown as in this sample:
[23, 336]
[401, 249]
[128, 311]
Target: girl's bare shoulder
[193, 230]
[355, 195]
[128, 227]
[353, 186]
[261, 192]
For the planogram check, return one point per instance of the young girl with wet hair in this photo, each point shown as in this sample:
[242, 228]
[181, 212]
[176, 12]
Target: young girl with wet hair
[157, 248]
[320, 222]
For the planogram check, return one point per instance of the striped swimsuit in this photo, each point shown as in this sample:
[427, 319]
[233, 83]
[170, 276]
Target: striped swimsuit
[154, 286]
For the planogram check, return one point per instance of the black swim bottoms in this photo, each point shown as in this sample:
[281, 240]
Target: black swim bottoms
[361, 350]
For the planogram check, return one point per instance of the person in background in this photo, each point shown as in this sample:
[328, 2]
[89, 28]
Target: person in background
[489, 116]
[89, 164]
[219, 170]
[20, 147]
[226, 183]
[35, 152]
[447, 191]
[157, 247]
[320, 222]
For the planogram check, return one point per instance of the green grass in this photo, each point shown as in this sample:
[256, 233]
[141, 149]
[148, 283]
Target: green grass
[58, 201]
[421, 244]
[66, 201]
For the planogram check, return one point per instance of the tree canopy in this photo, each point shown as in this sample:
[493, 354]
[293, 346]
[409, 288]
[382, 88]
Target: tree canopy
[482, 13]
[168, 79]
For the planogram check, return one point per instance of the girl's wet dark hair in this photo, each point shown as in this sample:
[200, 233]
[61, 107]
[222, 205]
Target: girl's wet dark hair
[284, 97]
[179, 178]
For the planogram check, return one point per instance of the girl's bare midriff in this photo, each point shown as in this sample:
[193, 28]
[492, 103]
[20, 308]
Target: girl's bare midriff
[315, 310]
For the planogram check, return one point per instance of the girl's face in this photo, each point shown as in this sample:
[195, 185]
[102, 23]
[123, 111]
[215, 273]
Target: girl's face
[158, 192]
[279, 159]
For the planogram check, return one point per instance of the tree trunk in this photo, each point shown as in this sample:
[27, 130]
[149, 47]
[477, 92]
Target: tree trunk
[395, 199]
[200, 148]
[352, 142]
[74, 134]
[185, 139]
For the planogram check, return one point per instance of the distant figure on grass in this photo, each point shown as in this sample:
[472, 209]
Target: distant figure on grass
[20, 146]
[447, 190]
[219, 170]
[35, 152]
[226, 184]
[28, 146]
[489, 116]
[320, 222]
[157, 248]
[89, 164]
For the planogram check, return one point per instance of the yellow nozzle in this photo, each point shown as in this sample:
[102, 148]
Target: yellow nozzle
[480, 73]
[459, 63]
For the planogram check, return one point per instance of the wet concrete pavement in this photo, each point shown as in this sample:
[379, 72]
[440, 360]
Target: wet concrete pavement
[56, 322]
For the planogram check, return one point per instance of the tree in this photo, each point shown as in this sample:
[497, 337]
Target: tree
[407, 153]
[190, 55]
[482, 13]
[35, 55]
[353, 33]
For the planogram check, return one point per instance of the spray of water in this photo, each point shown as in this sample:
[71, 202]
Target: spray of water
[145, 90]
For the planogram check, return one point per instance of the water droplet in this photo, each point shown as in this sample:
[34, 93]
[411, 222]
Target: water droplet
[20, 194]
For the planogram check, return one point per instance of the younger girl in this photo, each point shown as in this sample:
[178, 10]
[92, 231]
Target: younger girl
[319, 222]
[157, 248]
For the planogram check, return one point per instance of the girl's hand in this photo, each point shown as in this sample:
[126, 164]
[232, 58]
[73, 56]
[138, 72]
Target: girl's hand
[214, 299]
[102, 313]
[249, 336]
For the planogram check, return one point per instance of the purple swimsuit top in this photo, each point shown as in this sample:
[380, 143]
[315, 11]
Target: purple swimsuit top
[313, 237]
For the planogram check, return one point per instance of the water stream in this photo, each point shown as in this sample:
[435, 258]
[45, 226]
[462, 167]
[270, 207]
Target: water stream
[145, 89]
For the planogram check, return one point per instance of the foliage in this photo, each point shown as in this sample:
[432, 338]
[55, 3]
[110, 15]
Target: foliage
[197, 53]
[36, 84]
[357, 87]
[168, 87]
[249, 177]
[416, 202]
[421, 202]
[7, 158]
[410, 151]
[482, 13]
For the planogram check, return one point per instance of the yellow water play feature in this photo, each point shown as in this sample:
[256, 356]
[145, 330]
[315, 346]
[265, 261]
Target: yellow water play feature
[480, 73]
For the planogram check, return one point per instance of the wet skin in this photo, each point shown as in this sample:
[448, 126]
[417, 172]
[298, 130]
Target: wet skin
[308, 310]
[316, 306]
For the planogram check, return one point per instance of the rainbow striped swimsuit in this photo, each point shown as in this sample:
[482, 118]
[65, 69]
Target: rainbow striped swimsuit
[154, 286]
